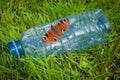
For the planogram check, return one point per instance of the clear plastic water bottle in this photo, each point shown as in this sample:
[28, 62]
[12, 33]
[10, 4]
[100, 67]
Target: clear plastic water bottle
[86, 29]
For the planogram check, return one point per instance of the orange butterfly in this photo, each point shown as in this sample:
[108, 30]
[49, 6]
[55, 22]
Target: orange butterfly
[56, 31]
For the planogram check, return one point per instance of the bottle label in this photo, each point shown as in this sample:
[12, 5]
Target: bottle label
[56, 31]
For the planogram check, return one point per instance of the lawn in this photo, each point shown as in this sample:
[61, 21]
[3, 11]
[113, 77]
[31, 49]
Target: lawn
[94, 63]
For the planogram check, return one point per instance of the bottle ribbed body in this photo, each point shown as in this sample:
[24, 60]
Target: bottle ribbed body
[85, 29]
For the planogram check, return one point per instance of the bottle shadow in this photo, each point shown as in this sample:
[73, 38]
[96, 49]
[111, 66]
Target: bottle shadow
[3, 48]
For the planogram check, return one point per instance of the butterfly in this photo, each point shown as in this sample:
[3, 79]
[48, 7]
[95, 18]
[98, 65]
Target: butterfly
[56, 31]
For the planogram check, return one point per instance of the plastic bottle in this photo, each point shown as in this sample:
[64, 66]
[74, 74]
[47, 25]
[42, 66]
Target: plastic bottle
[86, 29]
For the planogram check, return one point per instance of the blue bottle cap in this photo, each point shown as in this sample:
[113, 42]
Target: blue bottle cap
[16, 48]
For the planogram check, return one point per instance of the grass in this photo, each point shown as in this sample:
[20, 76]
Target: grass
[95, 63]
